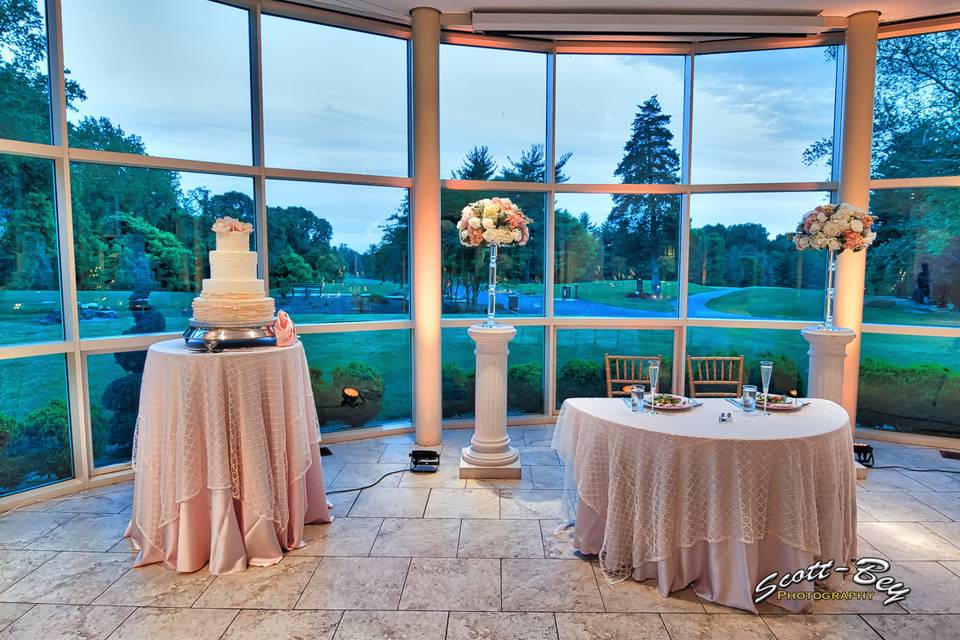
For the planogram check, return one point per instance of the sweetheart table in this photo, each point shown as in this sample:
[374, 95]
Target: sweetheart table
[226, 458]
[684, 499]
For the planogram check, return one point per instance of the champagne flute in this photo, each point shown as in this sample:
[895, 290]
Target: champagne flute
[766, 370]
[653, 369]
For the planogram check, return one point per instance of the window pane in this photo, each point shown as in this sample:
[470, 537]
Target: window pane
[338, 253]
[163, 78]
[616, 255]
[519, 269]
[34, 424]
[910, 384]
[376, 363]
[141, 239]
[916, 112]
[763, 116]
[744, 265]
[641, 109]
[787, 350]
[334, 99]
[581, 370]
[24, 87]
[913, 267]
[29, 255]
[492, 113]
[524, 372]
[114, 380]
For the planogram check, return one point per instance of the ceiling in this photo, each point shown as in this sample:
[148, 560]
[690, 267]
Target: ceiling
[890, 10]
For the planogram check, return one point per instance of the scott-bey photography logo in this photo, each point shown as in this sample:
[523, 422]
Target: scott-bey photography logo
[867, 572]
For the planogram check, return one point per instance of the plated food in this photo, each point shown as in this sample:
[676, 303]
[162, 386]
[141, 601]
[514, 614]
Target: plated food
[777, 402]
[669, 402]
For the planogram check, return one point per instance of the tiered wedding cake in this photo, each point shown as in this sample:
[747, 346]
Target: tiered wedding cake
[233, 294]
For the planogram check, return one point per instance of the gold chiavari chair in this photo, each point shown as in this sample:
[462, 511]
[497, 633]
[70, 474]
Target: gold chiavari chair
[626, 371]
[715, 372]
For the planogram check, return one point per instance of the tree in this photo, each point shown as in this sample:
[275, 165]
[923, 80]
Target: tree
[288, 269]
[641, 226]
[478, 165]
[577, 248]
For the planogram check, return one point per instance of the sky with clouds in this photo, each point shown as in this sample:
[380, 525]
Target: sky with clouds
[176, 73]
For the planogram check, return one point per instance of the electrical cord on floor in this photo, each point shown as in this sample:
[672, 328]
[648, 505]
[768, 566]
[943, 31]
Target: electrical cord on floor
[895, 466]
[369, 486]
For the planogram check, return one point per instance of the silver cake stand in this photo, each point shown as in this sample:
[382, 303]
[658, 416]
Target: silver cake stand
[215, 337]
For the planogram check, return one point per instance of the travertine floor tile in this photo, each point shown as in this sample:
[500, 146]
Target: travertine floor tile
[20, 528]
[610, 626]
[275, 587]
[933, 587]
[356, 583]
[815, 627]
[557, 544]
[452, 584]
[342, 537]
[85, 532]
[538, 456]
[448, 476]
[896, 506]
[946, 502]
[534, 585]
[16, 564]
[692, 626]
[915, 627]
[547, 477]
[463, 503]
[428, 538]
[390, 503]
[500, 539]
[533, 504]
[66, 622]
[283, 625]
[10, 611]
[356, 475]
[907, 541]
[392, 625]
[114, 499]
[155, 585]
[69, 578]
[182, 624]
[501, 626]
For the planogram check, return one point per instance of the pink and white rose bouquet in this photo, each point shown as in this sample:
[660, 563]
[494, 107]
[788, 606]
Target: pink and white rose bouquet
[228, 224]
[493, 221]
[837, 227]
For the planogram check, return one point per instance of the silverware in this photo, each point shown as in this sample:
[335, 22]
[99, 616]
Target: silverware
[734, 403]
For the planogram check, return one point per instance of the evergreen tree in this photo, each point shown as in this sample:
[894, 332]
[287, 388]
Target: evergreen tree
[477, 165]
[641, 227]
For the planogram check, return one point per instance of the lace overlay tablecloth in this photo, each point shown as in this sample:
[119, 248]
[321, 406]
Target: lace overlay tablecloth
[232, 431]
[657, 485]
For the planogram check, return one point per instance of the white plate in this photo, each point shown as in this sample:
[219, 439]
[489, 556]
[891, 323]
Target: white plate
[685, 403]
[791, 405]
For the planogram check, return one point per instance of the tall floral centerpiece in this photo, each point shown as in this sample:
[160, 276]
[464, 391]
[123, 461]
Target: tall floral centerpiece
[493, 222]
[836, 228]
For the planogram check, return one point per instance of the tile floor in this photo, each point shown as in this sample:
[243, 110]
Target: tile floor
[433, 557]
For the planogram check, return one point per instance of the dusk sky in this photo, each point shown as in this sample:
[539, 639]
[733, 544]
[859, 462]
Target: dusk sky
[176, 73]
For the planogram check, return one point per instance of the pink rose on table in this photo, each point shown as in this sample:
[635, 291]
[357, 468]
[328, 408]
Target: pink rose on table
[285, 330]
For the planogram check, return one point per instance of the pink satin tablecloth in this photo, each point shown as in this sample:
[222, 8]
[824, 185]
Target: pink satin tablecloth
[688, 501]
[226, 457]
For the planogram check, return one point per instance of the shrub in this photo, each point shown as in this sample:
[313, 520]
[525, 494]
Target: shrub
[328, 397]
[581, 378]
[525, 388]
[458, 391]
[921, 398]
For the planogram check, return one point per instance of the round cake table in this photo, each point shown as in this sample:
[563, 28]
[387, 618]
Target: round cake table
[684, 499]
[226, 458]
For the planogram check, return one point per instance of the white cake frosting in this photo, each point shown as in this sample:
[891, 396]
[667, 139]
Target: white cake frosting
[233, 293]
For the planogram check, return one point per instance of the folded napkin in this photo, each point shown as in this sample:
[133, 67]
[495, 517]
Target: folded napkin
[285, 330]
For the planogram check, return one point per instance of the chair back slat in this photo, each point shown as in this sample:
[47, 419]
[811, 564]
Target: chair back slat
[624, 371]
[721, 375]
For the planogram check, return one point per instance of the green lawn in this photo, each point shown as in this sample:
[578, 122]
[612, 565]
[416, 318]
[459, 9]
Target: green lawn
[771, 302]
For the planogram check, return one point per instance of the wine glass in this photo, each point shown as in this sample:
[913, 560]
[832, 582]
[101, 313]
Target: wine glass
[653, 369]
[766, 370]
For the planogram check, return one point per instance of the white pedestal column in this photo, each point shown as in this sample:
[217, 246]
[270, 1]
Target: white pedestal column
[490, 454]
[827, 353]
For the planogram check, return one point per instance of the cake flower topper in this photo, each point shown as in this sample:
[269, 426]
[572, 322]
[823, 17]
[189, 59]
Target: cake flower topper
[227, 224]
